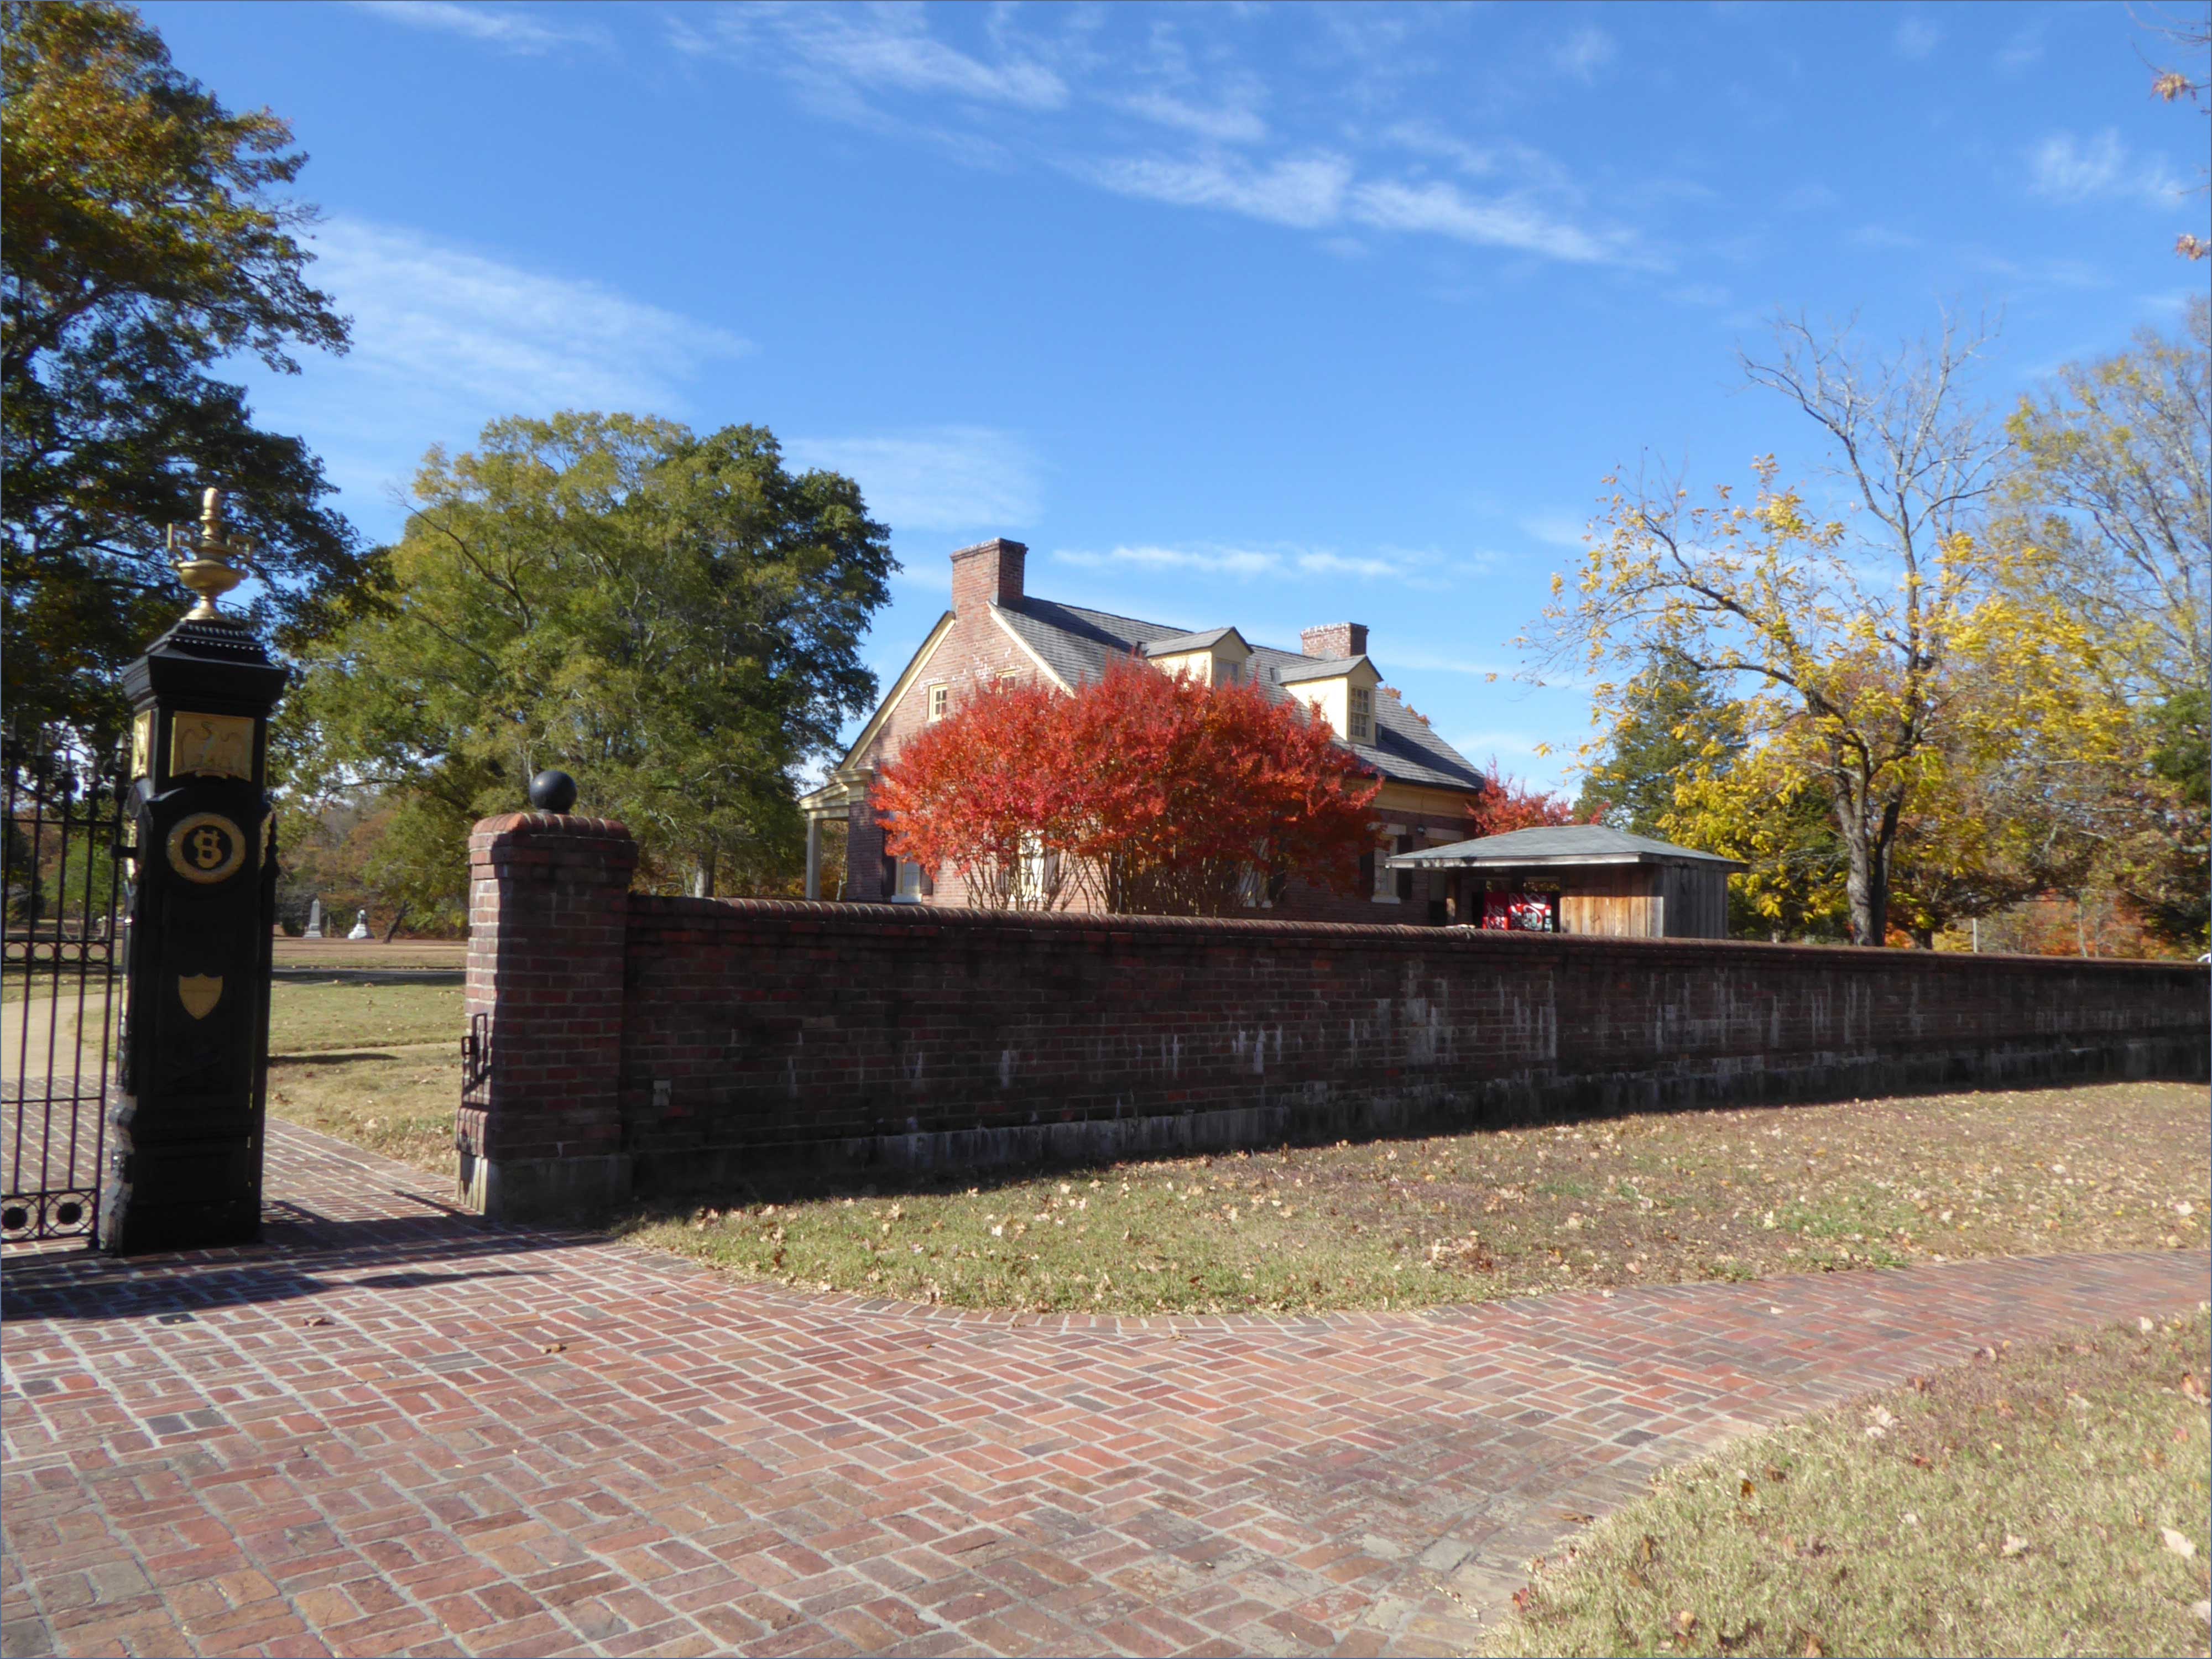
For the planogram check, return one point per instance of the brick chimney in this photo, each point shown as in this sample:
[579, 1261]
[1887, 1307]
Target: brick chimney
[1332, 641]
[989, 572]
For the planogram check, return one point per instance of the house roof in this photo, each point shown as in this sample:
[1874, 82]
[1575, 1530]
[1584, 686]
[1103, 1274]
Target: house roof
[1183, 642]
[1077, 644]
[1332, 668]
[1564, 844]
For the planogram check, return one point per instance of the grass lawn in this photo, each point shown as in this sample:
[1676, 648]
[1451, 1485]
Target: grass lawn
[377, 1065]
[1653, 1199]
[2050, 1499]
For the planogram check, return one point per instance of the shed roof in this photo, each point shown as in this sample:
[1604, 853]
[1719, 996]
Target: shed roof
[1566, 845]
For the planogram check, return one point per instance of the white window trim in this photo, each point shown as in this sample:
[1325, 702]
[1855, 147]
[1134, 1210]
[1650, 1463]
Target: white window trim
[936, 689]
[1386, 878]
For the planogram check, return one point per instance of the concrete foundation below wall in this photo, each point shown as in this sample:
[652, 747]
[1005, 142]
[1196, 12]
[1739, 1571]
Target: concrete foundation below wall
[543, 1189]
[1313, 1113]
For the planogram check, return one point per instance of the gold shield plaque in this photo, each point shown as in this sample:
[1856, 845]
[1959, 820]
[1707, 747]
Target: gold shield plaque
[206, 847]
[210, 745]
[199, 993]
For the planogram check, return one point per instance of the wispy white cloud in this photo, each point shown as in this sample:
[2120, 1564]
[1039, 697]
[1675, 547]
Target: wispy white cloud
[1482, 747]
[1556, 529]
[1915, 39]
[1227, 124]
[2064, 168]
[1444, 209]
[1699, 293]
[1522, 165]
[1873, 235]
[853, 48]
[855, 63]
[1306, 192]
[2024, 48]
[1210, 559]
[1810, 198]
[509, 28]
[446, 338]
[440, 316]
[1584, 53]
[942, 478]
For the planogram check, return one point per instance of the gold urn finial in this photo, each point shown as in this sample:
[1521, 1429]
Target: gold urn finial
[206, 568]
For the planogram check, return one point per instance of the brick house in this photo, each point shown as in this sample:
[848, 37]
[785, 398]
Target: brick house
[995, 631]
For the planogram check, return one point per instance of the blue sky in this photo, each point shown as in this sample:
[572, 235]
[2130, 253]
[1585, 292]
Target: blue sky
[1251, 314]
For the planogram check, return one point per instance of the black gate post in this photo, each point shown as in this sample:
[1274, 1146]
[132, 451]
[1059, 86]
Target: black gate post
[184, 1143]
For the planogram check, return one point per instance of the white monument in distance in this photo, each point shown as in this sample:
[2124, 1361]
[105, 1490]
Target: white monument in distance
[360, 926]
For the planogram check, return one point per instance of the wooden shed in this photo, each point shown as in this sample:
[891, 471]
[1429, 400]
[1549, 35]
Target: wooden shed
[1581, 878]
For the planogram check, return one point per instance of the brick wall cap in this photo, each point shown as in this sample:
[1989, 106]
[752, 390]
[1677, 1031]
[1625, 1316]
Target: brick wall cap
[659, 910]
[509, 827]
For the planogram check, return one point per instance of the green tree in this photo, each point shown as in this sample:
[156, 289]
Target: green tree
[144, 241]
[674, 619]
[2108, 526]
[1672, 718]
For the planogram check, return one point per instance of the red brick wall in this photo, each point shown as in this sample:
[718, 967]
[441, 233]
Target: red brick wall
[777, 1031]
[548, 901]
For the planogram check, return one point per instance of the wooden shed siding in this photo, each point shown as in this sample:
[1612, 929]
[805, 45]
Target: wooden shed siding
[1612, 901]
[1695, 902]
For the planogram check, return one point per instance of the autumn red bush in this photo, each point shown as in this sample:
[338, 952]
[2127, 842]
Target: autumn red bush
[1142, 793]
[1507, 803]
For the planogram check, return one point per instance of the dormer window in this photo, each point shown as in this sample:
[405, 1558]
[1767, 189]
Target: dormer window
[1360, 724]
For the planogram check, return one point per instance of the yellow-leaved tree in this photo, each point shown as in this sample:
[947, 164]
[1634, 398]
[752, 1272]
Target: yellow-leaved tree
[1879, 671]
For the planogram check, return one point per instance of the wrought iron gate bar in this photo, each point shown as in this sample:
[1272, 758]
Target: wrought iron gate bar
[61, 887]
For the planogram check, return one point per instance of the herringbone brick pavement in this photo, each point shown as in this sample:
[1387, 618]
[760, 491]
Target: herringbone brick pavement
[392, 1429]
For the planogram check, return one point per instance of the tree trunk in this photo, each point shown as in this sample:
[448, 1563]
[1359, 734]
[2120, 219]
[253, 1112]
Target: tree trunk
[1923, 939]
[398, 916]
[702, 873]
[1867, 842]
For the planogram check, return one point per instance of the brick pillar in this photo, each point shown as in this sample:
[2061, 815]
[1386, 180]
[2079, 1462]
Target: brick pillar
[540, 1125]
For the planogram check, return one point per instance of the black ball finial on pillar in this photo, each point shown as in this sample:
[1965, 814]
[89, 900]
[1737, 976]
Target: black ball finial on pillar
[552, 791]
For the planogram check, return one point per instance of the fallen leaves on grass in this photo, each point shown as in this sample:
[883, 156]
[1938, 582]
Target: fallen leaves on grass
[1651, 1199]
[2083, 1537]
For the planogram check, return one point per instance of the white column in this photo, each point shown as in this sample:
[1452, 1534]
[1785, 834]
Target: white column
[813, 856]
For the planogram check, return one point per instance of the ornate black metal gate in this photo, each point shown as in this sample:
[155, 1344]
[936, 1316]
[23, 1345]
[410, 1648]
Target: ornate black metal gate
[62, 879]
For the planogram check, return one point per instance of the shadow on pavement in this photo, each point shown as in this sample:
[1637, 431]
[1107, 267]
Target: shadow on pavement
[300, 1253]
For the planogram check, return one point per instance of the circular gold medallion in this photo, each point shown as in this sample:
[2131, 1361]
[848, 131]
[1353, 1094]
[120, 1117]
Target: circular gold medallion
[206, 847]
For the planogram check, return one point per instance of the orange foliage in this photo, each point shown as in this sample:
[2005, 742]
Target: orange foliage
[1507, 803]
[1143, 792]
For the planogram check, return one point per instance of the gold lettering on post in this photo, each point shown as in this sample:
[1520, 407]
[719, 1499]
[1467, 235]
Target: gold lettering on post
[205, 847]
[141, 743]
[210, 745]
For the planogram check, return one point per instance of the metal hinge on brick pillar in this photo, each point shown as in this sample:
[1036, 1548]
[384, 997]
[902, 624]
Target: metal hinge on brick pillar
[539, 1129]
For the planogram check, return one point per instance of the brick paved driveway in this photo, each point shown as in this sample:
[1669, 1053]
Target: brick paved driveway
[389, 1429]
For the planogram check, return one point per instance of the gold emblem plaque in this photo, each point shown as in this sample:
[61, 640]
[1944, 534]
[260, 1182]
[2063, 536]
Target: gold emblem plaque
[199, 993]
[206, 847]
[141, 743]
[210, 745]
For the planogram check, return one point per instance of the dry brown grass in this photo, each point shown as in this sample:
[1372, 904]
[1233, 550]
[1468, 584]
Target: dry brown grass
[1650, 1198]
[2048, 1499]
[377, 1065]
